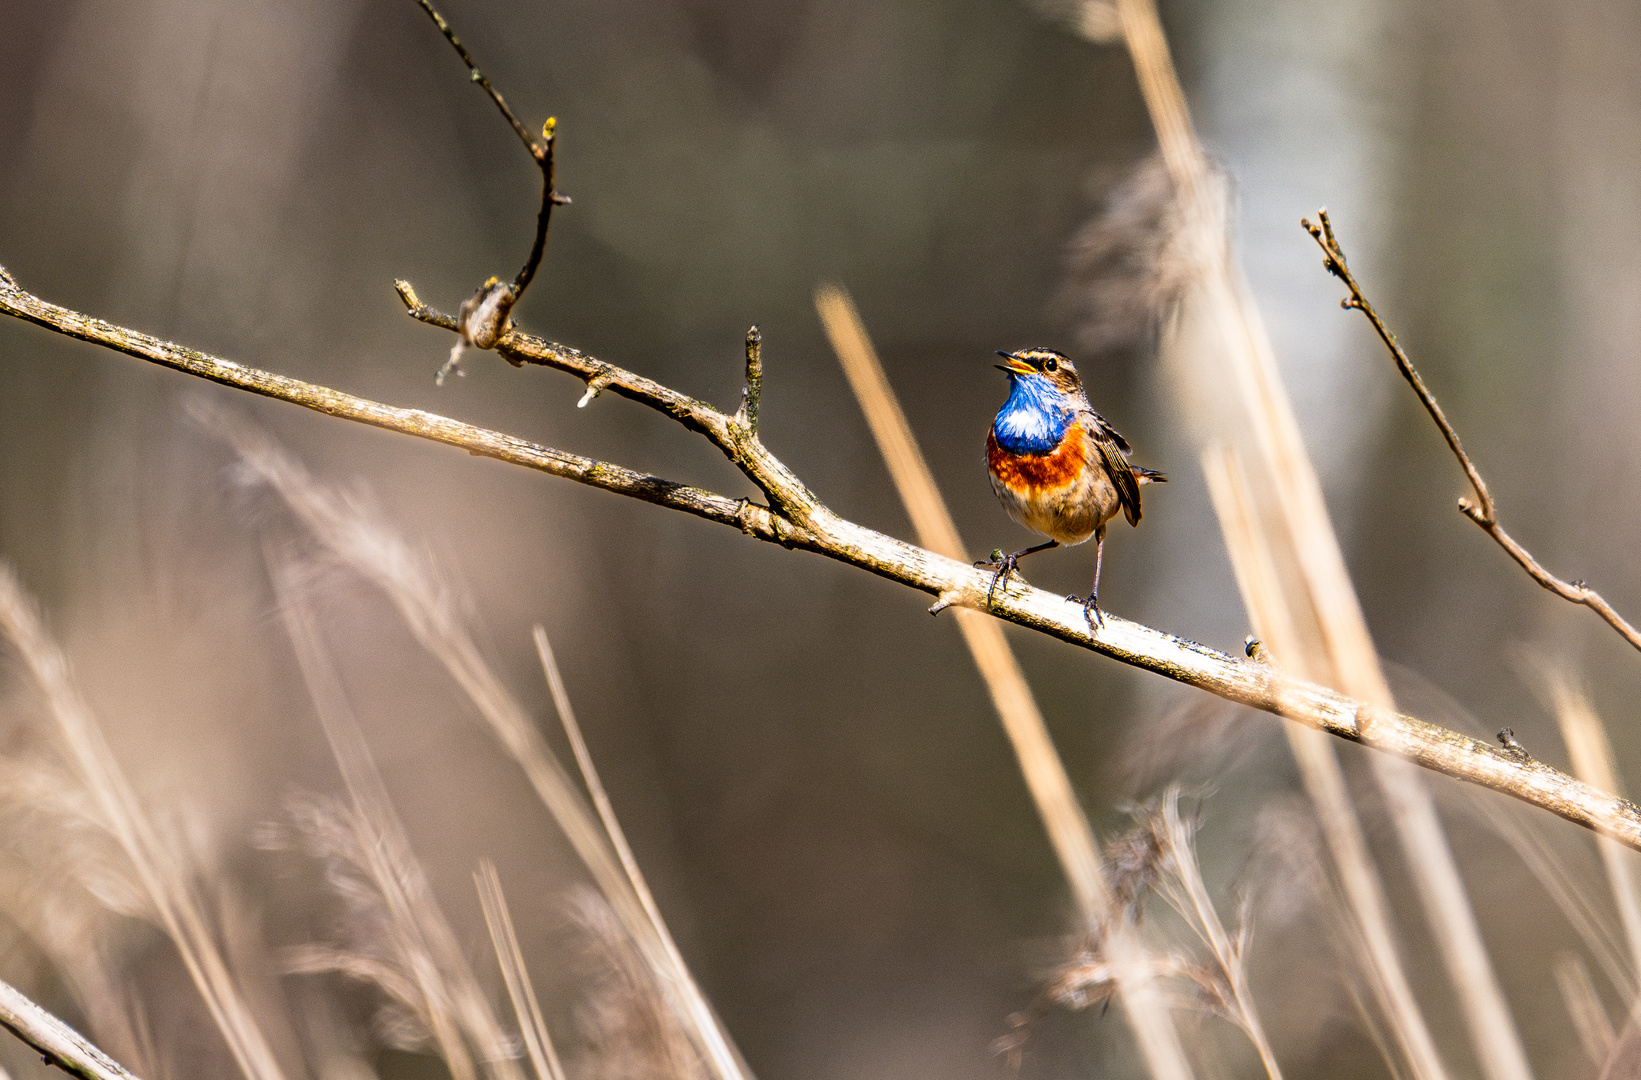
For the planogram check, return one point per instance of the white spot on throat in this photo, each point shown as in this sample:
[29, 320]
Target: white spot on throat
[1024, 425]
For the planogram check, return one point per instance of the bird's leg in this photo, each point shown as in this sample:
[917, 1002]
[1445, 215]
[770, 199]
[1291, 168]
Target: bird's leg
[1006, 564]
[1091, 606]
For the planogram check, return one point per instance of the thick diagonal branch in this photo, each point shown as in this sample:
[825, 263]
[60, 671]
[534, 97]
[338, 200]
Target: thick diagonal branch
[57, 1043]
[1483, 511]
[796, 519]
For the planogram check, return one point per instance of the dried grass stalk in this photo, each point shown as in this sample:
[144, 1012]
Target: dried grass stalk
[538, 1041]
[1343, 652]
[632, 1031]
[1592, 759]
[164, 877]
[1187, 894]
[1589, 1016]
[1304, 531]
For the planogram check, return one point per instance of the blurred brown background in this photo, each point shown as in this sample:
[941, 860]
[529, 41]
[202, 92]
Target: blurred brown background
[808, 766]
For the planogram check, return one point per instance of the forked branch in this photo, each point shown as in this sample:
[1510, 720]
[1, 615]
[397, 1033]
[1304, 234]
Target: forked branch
[794, 518]
[1483, 511]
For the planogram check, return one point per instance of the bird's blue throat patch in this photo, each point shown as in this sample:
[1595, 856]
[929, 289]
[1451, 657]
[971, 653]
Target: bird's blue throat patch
[1035, 417]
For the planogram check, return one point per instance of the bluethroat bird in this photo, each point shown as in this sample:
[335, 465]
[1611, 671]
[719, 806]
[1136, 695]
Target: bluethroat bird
[1057, 467]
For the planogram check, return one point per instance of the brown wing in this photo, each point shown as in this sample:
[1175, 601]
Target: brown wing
[1113, 451]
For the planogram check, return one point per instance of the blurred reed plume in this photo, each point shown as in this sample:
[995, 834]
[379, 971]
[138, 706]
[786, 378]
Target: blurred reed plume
[1096, 20]
[1225, 985]
[381, 939]
[1292, 840]
[1156, 859]
[125, 860]
[1130, 266]
[395, 934]
[356, 540]
[631, 1034]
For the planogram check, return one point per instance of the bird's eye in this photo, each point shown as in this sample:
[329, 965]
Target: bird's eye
[1051, 365]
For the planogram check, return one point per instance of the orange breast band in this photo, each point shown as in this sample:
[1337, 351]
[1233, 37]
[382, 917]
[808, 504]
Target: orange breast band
[1034, 474]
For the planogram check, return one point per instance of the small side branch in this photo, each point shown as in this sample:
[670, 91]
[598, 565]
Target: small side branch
[57, 1043]
[485, 315]
[752, 391]
[1483, 511]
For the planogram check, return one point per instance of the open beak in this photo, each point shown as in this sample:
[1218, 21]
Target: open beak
[1015, 365]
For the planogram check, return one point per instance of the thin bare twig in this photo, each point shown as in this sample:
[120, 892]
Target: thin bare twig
[1483, 511]
[485, 315]
[752, 391]
[536, 151]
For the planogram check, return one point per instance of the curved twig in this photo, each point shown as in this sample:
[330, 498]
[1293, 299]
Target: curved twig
[795, 518]
[541, 152]
[1483, 511]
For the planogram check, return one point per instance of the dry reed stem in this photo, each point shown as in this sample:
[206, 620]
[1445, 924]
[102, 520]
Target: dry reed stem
[1355, 669]
[160, 871]
[1543, 858]
[702, 1012]
[1011, 695]
[1350, 662]
[538, 1041]
[428, 610]
[57, 1043]
[1584, 1008]
[595, 788]
[630, 1032]
[458, 1014]
[1315, 549]
[1252, 562]
[330, 1042]
[1592, 759]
